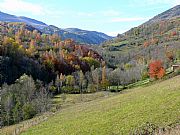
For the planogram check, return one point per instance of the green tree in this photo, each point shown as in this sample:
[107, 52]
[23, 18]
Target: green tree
[70, 80]
[17, 115]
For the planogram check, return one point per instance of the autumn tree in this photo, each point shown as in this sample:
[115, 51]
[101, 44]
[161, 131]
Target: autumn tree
[154, 41]
[31, 48]
[146, 44]
[104, 81]
[18, 37]
[156, 69]
[55, 38]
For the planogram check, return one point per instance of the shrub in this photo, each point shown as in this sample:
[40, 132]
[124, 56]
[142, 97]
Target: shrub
[28, 111]
[67, 89]
[145, 75]
[91, 88]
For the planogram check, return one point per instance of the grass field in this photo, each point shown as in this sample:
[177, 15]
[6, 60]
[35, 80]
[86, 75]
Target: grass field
[158, 104]
[70, 99]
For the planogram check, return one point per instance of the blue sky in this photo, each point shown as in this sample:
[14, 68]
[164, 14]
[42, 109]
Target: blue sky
[108, 16]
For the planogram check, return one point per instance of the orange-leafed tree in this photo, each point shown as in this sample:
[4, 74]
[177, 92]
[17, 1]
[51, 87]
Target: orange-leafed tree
[156, 69]
[31, 48]
[146, 44]
[104, 81]
[154, 41]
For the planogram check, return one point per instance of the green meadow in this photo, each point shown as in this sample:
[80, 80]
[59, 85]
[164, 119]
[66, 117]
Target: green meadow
[122, 113]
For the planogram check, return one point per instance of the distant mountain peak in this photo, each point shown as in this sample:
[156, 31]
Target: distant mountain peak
[12, 18]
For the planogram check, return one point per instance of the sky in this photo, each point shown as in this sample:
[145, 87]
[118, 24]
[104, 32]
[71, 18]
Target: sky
[107, 16]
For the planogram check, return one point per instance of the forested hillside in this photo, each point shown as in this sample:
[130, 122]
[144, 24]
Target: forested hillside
[148, 43]
[162, 36]
[40, 55]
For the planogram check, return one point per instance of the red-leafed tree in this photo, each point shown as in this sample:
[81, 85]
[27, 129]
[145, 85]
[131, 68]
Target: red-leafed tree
[156, 69]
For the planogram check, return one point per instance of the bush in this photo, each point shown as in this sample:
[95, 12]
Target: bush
[28, 111]
[91, 88]
[145, 75]
[68, 89]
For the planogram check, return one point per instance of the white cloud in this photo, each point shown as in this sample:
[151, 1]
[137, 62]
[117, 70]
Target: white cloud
[20, 6]
[132, 19]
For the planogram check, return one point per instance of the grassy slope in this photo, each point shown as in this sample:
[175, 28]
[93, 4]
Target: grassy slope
[158, 104]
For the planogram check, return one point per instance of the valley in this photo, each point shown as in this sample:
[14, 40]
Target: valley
[58, 81]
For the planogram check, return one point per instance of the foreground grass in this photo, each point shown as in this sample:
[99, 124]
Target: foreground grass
[158, 104]
[60, 101]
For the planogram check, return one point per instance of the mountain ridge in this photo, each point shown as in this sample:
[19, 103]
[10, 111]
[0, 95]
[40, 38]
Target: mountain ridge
[12, 18]
[79, 35]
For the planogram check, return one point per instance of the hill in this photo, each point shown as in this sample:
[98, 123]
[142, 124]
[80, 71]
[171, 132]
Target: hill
[159, 35]
[82, 36]
[157, 104]
[40, 55]
[160, 25]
